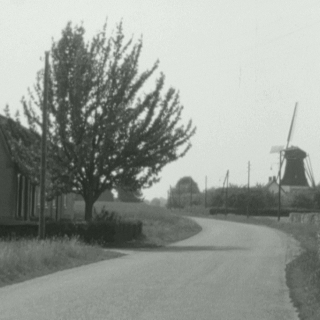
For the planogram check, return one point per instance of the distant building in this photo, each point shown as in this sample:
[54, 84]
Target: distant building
[273, 186]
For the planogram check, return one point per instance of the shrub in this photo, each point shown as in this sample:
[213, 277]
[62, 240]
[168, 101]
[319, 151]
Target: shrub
[217, 210]
[272, 212]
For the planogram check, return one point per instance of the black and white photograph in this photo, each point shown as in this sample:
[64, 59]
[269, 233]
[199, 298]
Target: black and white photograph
[160, 160]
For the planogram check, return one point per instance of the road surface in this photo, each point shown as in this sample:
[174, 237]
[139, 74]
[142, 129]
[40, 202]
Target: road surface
[228, 271]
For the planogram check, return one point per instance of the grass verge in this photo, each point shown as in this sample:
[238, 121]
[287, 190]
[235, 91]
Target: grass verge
[303, 273]
[25, 259]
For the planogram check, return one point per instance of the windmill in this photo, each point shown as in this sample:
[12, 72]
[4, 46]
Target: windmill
[298, 172]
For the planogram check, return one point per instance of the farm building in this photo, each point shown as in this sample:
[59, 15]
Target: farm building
[273, 186]
[19, 198]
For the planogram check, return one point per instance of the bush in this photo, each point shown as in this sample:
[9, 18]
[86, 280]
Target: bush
[302, 199]
[217, 210]
[272, 212]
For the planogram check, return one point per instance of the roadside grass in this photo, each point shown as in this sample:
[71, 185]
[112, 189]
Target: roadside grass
[160, 226]
[29, 258]
[302, 273]
[24, 259]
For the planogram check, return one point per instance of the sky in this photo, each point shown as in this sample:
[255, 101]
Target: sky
[240, 67]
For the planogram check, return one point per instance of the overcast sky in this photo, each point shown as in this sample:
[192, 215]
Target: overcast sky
[240, 66]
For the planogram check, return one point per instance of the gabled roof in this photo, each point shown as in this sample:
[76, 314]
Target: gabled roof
[3, 121]
[22, 134]
[273, 182]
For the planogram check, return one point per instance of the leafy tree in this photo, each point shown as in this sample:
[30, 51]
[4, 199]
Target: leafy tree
[185, 189]
[103, 132]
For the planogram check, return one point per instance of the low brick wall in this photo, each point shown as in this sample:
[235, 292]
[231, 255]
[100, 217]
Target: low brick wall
[310, 217]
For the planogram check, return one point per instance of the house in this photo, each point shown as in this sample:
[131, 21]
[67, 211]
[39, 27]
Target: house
[19, 198]
[273, 186]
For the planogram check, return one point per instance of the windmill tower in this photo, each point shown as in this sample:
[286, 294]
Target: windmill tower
[298, 174]
[295, 171]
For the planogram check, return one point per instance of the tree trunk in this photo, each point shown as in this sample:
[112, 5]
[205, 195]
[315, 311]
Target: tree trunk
[88, 209]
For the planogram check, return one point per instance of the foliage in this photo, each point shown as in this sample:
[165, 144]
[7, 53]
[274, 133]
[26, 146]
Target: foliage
[259, 201]
[160, 226]
[100, 231]
[187, 185]
[126, 195]
[106, 195]
[303, 200]
[216, 197]
[241, 199]
[185, 193]
[103, 132]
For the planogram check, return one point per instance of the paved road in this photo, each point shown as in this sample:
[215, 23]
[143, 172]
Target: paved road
[228, 271]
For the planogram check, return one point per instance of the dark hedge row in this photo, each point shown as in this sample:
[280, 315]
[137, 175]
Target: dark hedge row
[273, 212]
[101, 232]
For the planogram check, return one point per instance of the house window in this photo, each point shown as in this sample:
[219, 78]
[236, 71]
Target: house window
[26, 196]
[33, 201]
[64, 200]
[20, 193]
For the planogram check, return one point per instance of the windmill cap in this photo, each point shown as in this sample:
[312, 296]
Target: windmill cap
[294, 152]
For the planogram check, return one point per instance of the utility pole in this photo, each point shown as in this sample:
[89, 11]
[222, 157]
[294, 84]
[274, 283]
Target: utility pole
[279, 201]
[190, 194]
[226, 183]
[172, 197]
[248, 195]
[205, 193]
[179, 190]
[41, 231]
[227, 192]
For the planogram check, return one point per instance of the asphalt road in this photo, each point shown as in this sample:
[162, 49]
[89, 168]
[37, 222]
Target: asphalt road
[228, 271]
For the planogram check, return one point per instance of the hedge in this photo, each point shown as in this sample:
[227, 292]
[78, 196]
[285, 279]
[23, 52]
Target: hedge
[273, 212]
[101, 232]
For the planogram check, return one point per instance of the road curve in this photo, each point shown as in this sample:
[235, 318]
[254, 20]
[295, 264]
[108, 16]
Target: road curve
[228, 271]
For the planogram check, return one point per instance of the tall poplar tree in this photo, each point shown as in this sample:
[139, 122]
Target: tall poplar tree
[103, 131]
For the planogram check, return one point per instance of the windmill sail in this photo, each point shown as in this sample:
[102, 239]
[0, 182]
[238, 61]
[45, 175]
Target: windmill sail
[292, 125]
[291, 130]
[310, 172]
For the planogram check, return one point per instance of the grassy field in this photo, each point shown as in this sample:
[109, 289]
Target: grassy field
[303, 273]
[160, 226]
